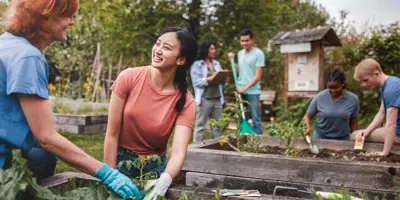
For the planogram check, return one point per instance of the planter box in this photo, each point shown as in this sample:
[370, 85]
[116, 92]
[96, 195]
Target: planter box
[208, 165]
[81, 123]
[173, 193]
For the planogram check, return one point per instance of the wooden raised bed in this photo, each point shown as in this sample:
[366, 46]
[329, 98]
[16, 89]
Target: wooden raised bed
[173, 193]
[81, 123]
[209, 165]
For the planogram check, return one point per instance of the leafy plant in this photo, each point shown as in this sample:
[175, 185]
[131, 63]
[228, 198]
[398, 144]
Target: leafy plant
[289, 131]
[139, 164]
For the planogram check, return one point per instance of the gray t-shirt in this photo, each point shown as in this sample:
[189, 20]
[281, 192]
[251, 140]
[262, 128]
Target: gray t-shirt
[333, 119]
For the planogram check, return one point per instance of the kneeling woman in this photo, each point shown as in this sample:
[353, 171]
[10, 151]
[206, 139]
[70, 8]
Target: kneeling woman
[337, 110]
[150, 102]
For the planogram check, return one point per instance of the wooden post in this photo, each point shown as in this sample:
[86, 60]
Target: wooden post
[108, 94]
[97, 81]
[285, 83]
[119, 63]
[321, 65]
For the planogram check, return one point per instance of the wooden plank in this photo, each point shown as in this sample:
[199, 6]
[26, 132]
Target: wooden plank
[80, 119]
[328, 144]
[174, 192]
[300, 170]
[204, 180]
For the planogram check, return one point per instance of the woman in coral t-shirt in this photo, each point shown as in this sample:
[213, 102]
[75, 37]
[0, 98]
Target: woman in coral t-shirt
[148, 104]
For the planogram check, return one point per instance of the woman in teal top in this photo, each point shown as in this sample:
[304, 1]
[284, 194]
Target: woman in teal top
[337, 110]
[26, 118]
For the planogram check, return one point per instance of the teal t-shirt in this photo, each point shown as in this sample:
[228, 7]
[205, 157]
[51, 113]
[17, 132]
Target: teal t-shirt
[391, 97]
[247, 64]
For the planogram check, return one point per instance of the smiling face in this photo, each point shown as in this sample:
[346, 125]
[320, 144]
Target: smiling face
[370, 81]
[166, 51]
[59, 26]
[335, 88]
[246, 42]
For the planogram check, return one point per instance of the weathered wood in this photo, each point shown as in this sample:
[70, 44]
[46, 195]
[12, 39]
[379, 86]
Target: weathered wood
[206, 194]
[338, 173]
[80, 119]
[301, 144]
[204, 180]
[64, 178]
[83, 129]
[173, 192]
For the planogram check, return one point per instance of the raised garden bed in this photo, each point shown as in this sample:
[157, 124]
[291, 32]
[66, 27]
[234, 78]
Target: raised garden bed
[79, 179]
[80, 117]
[211, 165]
[81, 123]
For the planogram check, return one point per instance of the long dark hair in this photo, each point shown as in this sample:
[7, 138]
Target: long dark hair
[202, 52]
[188, 51]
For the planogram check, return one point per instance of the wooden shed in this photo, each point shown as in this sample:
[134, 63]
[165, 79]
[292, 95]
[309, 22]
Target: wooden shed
[304, 59]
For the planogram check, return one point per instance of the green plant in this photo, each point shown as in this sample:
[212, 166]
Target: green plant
[289, 131]
[254, 144]
[139, 164]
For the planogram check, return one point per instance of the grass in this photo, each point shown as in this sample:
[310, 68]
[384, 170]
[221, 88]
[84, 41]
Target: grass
[92, 144]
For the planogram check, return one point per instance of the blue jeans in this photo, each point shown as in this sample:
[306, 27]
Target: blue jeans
[40, 162]
[126, 155]
[254, 111]
[319, 136]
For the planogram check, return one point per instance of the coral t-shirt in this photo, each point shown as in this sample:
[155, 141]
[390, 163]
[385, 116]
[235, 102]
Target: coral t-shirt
[149, 117]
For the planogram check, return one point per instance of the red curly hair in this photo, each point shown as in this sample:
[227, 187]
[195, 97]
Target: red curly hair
[29, 18]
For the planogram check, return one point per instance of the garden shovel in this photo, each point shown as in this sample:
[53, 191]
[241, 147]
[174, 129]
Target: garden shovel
[245, 127]
[313, 148]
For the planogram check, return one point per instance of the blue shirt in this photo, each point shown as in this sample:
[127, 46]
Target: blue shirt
[334, 116]
[198, 74]
[23, 70]
[391, 97]
[247, 64]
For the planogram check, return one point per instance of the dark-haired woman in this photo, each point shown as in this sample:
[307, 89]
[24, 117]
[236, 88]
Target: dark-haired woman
[209, 97]
[147, 104]
[337, 110]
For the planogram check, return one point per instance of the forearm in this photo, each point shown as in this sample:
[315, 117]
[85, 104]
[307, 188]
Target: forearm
[389, 138]
[174, 165]
[70, 153]
[110, 151]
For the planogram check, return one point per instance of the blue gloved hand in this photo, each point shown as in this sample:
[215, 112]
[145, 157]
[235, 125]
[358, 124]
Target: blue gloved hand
[118, 182]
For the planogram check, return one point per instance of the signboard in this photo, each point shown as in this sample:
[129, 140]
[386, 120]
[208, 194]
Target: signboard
[303, 72]
[296, 48]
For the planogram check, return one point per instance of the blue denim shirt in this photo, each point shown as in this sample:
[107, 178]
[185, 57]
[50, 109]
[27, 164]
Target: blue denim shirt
[198, 73]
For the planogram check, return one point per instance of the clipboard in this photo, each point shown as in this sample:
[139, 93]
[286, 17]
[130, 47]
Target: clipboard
[221, 75]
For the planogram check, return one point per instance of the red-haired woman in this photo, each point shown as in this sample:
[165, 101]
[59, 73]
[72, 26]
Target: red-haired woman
[25, 109]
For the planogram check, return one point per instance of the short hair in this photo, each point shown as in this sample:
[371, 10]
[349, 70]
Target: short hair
[336, 75]
[28, 18]
[202, 52]
[367, 67]
[245, 32]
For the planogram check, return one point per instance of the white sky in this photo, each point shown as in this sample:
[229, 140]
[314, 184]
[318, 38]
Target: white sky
[373, 12]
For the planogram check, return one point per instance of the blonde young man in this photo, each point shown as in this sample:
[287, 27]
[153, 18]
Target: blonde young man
[371, 75]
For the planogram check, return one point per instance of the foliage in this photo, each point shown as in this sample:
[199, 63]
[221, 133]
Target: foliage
[58, 108]
[17, 183]
[3, 7]
[139, 164]
[289, 131]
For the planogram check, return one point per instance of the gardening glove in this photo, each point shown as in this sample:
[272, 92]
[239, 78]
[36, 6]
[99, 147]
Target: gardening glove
[160, 185]
[118, 182]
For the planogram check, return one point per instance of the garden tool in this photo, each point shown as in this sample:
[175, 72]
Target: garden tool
[245, 127]
[313, 148]
[334, 196]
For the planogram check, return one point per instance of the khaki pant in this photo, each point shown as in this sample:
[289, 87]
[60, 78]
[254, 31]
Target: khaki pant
[378, 135]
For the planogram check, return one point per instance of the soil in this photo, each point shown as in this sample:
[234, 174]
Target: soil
[353, 155]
